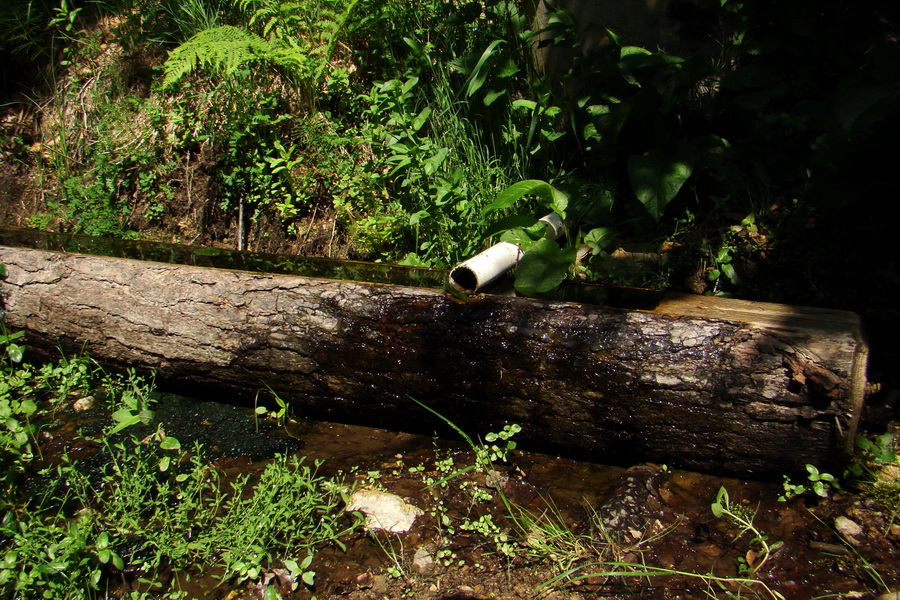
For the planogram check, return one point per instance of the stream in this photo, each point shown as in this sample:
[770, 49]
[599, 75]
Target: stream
[651, 519]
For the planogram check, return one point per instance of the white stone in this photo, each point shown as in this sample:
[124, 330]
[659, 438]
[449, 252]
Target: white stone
[86, 403]
[423, 560]
[847, 527]
[383, 510]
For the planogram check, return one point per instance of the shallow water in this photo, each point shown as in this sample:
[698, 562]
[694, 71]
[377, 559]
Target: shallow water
[671, 526]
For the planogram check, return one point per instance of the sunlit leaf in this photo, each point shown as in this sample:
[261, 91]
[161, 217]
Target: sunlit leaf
[15, 352]
[421, 118]
[170, 443]
[434, 163]
[492, 96]
[415, 46]
[528, 105]
[482, 68]
[28, 407]
[417, 217]
[543, 267]
[552, 198]
[271, 593]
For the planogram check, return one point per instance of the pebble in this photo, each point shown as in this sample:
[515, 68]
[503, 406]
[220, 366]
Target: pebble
[383, 510]
[847, 527]
[423, 561]
[83, 404]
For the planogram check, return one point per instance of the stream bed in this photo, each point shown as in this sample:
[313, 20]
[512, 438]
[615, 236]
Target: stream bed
[532, 525]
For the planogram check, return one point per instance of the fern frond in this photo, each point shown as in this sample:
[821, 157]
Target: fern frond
[220, 50]
[339, 25]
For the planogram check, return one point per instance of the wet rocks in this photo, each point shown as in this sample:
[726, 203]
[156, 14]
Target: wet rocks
[423, 561]
[85, 403]
[384, 511]
[636, 500]
[847, 527]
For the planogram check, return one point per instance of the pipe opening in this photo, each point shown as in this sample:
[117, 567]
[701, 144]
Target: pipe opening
[464, 279]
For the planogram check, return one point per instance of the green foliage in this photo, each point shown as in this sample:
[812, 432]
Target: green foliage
[656, 179]
[291, 37]
[485, 455]
[221, 50]
[818, 483]
[543, 267]
[21, 26]
[151, 505]
[501, 444]
[134, 400]
[50, 556]
[742, 517]
[552, 198]
[17, 407]
[66, 376]
[409, 118]
[544, 264]
[439, 171]
[876, 469]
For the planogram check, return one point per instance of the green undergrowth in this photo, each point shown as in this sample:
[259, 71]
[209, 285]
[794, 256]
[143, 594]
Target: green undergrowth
[144, 513]
[400, 123]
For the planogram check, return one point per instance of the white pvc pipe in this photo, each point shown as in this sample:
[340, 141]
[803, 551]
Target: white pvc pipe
[554, 225]
[470, 276]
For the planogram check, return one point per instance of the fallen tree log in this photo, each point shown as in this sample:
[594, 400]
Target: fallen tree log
[709, 384]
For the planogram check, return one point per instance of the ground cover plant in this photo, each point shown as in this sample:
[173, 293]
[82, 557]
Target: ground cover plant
[145, 507]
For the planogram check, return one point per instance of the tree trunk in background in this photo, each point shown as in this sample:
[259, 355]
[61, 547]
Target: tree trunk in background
[708, 384]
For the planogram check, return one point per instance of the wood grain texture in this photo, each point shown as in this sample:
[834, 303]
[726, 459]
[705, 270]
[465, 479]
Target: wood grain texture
[706, 384]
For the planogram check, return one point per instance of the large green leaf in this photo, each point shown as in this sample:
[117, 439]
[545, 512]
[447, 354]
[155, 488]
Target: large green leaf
[554, 199]
[543, 267]
[482, 68]
[656, 177]
[598, 239]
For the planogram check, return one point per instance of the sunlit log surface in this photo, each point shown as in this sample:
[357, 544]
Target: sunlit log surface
[709, 384]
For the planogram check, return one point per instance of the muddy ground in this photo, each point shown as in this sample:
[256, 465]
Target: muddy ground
[643, 517]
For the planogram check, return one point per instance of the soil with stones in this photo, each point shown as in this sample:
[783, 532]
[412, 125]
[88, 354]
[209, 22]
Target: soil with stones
[644, 531]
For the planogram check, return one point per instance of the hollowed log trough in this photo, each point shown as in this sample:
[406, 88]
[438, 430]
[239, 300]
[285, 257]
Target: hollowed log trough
[710, 384]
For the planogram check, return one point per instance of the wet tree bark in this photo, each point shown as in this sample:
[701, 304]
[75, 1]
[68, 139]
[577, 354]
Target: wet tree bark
[727, 386]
